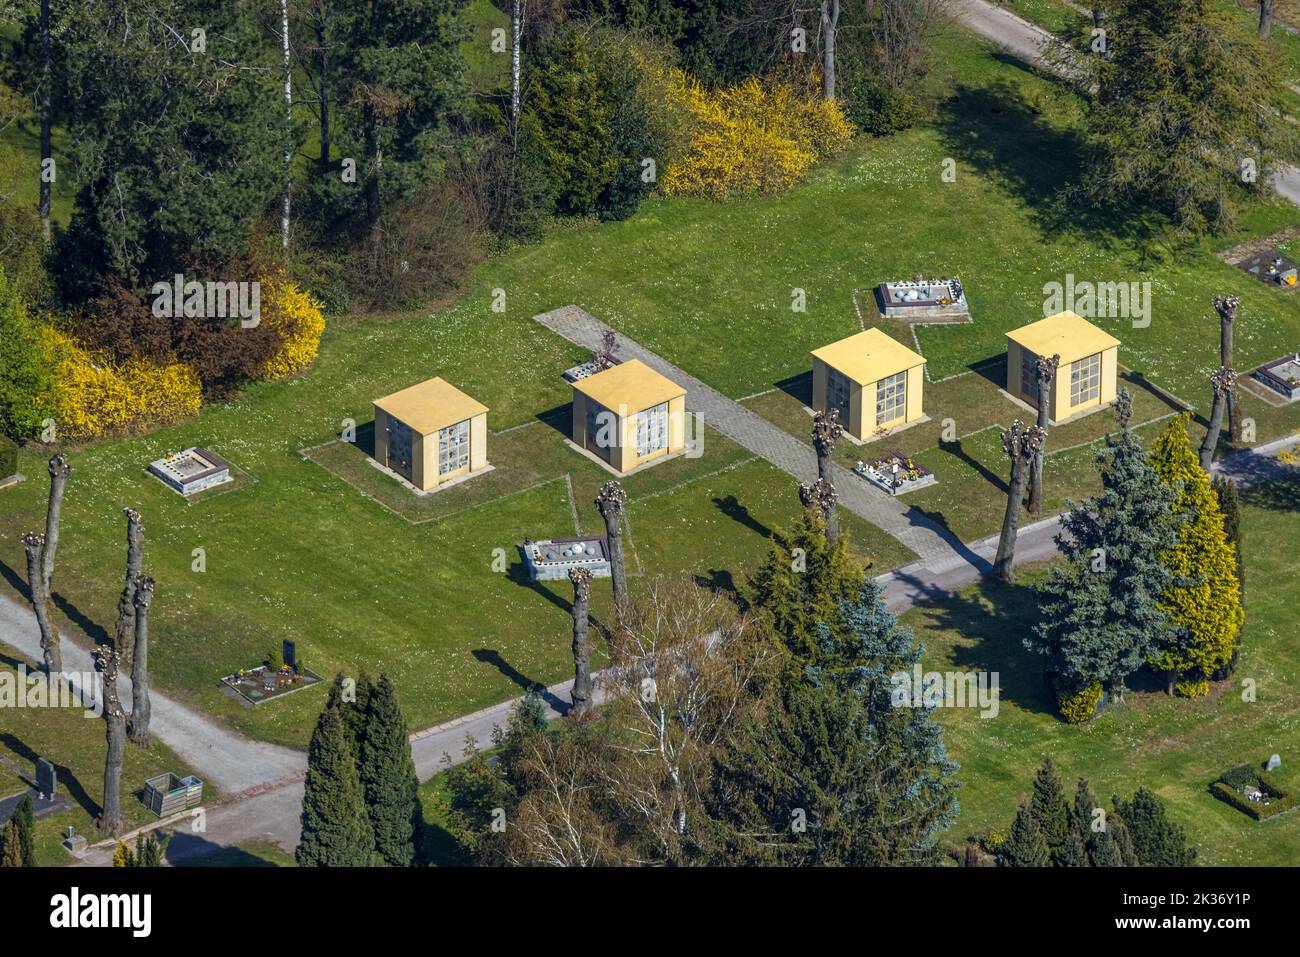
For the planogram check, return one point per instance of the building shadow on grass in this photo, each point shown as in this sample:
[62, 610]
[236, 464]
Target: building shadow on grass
[994, 619]
[798, 387]
[992, 368]
[67, 780]
[559, 418]
[366, 438]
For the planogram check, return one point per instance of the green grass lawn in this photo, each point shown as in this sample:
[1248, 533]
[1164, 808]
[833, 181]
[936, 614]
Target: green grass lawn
[75, 745]
[1174, 746]
[363, 575]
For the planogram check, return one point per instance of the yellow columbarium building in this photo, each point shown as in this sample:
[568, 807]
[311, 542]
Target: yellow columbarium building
[873, 380]
[431, 433]
[629, 415]
[1086, 377]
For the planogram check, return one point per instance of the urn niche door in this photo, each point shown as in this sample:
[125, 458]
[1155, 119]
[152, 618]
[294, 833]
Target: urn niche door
[399, 447]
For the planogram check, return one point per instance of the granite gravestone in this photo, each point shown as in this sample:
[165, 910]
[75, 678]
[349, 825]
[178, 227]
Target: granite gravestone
[290, 654]
[1273, 762]
[47, 779]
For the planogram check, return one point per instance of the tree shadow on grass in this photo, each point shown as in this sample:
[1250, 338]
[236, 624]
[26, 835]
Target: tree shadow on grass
[996, 618]
[186, 849]
[956, 449]
[1003, 136]
[16, 581]
[1265, 483]
[88, 626]
[730, 506]
[67, 780]
[490, 656]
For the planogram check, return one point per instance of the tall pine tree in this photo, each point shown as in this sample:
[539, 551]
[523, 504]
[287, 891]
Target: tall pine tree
[1025, 845]
[1157, 841]
[336, 830]
[1100, 613]
[388, 778]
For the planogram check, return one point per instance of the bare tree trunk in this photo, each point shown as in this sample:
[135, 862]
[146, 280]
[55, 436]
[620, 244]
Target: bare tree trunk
[826, 431]
[830, 21]
[582, 685]
[1021, 445]
[134, 560]
[288, 125]
[140, 710]
[822, 496]
[110, 819]
[322, 80]
[1045, 369]
[1222, 380]
[59, 469]
[34, 545]
[1226, 307]
[516, 64]
[46, 150]
[1265, 18]
[611, 500]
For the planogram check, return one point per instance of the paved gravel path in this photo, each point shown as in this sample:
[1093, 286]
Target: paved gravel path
[913, 528]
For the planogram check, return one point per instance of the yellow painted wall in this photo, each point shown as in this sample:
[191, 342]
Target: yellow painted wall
[1014, 360]
[857, 407]
[478, 442]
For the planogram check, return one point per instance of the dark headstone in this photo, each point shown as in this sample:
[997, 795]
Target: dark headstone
[290, 654]
[47, 780]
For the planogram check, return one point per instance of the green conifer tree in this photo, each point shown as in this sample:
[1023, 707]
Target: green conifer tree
[11, 851]
[1100, 608]
[388, 778]
[1048, 805]
[1025, 845]
[1204, 600]
[24, 818]
[336, 830]
[1157, 841]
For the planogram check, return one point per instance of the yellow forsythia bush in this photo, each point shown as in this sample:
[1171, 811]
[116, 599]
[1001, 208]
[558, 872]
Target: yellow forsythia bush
[95, 396]
[1080, 706]
[757, 136]
[296, 318]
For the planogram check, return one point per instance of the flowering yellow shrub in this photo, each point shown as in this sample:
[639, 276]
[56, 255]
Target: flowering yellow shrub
[758, 136]
[296, 318]
[95, 396]
[1081, 706]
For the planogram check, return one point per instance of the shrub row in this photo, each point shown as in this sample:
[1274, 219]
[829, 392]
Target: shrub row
[1280, 800]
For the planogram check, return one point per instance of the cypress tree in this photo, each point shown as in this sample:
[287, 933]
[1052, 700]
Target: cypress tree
[24, 818]
[1025, 846]
[1157, 841]
[1204, 600]
[1225, 491]
[1048, 806]
[11, 851]
[336, 831]
[352, 712]
[388, 778]
[1100, 608]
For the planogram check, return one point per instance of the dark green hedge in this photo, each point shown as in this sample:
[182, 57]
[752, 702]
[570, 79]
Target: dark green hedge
[8, 458]
[1281, 801]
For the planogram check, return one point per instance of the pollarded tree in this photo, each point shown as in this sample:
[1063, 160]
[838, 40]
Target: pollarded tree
[799, 583]
[826, 431]
[1022, 444]
[140, 707]
[1226, 307]
[1223, 381]
[42, 607]
[822, 498]
[611, 500]
[581, 578]
[388, 779]
[1100, 614]
[1045, 373]
[110, 817]
[1204, 600]
[134, 566]
[59, 472]
[1025, 845]
[336, 830]
[1157, 841]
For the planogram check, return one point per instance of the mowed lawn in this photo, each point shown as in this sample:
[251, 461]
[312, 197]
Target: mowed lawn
[298, 551]
[1173, 746]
